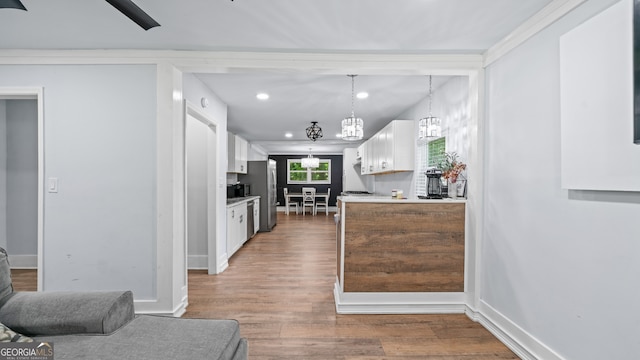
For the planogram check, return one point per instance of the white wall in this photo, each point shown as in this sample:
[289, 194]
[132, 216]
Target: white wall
[450, 102]
[100, 142]
[3, 174]
[560, 266]
[193, 91]
[22, 177]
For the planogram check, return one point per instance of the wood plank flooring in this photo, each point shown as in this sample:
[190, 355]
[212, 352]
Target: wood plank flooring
[279, 286]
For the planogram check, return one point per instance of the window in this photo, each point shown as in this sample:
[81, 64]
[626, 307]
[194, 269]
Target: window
[296, 174]
[429, 154]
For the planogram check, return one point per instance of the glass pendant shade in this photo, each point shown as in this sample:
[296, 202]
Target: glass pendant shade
[310, 161]
[352, 128]
[429, 127]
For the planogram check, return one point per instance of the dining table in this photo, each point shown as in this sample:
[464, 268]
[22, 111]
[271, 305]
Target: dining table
[293, 195]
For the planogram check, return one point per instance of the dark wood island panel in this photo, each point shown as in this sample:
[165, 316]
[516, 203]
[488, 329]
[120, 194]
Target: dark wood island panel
[412, 247]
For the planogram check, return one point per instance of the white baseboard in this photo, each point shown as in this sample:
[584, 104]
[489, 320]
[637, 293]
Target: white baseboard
[197, 262]
[398, 303]
[223, 263]
[523, 344]
[23, 261]
[146, 307]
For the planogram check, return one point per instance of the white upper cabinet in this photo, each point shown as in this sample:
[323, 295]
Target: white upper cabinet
[237, 148]
[391, 149]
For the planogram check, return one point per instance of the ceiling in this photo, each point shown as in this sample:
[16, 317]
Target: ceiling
[296, 99]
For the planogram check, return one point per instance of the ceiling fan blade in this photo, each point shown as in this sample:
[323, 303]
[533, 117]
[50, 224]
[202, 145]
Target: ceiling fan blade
[12, 4]
[133, 12]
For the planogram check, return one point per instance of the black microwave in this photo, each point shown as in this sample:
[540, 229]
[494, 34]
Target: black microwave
[238, 190]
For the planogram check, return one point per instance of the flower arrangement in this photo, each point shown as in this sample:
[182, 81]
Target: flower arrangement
[452, 167]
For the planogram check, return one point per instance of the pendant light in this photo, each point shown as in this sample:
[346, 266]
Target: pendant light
[352, 127]
[431, 126]
[314, 132]
[310, 161]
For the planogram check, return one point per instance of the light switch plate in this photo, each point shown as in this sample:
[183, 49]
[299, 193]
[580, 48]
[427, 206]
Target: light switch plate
[52, 185]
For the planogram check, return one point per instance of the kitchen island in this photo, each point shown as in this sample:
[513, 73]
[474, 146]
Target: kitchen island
[400, 255]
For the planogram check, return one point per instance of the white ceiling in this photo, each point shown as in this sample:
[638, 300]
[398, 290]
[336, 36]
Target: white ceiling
[351, 26]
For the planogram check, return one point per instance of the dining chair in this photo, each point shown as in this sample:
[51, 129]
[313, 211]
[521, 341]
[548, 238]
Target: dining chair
[308, 200]
[288, 203]
[324, 202]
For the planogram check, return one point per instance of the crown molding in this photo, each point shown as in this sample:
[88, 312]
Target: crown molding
[228, 62]
[538, 22]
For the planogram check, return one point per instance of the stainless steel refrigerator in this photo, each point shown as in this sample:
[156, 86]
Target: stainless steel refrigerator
[261, 176]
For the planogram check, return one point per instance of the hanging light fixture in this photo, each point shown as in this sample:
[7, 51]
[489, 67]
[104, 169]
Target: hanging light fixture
[314, 132]
[431, 126]
[310, 161]
[352, 127]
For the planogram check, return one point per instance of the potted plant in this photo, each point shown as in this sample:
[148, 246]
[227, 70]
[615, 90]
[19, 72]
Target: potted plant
[452, 168]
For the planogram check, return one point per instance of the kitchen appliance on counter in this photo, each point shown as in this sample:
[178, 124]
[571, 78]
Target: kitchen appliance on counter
[238, 190]
[261, 177]
[434, 189]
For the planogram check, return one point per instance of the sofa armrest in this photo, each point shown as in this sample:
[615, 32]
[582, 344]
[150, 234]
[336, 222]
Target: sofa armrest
[60, 313]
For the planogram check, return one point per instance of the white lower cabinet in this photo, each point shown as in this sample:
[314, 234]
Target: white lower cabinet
[236, 227]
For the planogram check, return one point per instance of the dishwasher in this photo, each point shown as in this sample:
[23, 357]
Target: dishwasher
[250, 229]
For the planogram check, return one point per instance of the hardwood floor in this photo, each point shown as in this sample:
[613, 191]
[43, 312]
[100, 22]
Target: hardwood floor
[279, 286]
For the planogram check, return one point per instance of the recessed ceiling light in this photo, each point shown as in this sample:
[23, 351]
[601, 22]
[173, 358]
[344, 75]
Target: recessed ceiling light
[262, 96]
[362, 95]
[288, 135]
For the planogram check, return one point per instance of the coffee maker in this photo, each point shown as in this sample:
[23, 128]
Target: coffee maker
[434, 188]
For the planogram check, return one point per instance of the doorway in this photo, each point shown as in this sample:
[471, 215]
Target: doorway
[200, 187]
[21, 177]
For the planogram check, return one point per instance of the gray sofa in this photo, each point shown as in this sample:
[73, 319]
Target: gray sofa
[102, 325]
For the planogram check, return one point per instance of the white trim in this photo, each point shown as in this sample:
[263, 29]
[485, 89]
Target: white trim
[522, 343]
[212, 173]
[538, 22]
[225, 61]
[223, 263]
[149, 307]
[398, 303]
[38, 94]
[23, 261]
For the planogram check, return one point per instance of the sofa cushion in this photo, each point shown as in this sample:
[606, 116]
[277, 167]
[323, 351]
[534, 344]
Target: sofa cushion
[8, 335]
[5, 275]
[58, 313]
[157, 337]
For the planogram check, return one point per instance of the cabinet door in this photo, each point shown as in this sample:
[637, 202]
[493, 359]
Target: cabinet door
[388, 147]
[241, 236]
[231, 231]
[256, 216]
[241, 155]
[362, 149]
[371, 155]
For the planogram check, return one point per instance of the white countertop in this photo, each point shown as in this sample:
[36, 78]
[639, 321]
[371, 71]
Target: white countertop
[389, 199]
[238, 200]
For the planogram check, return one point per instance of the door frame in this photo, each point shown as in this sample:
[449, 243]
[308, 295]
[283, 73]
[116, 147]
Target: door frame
[212, 178]
[34, 93]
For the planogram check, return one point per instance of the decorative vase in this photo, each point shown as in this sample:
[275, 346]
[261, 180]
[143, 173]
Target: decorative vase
[452, 188]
